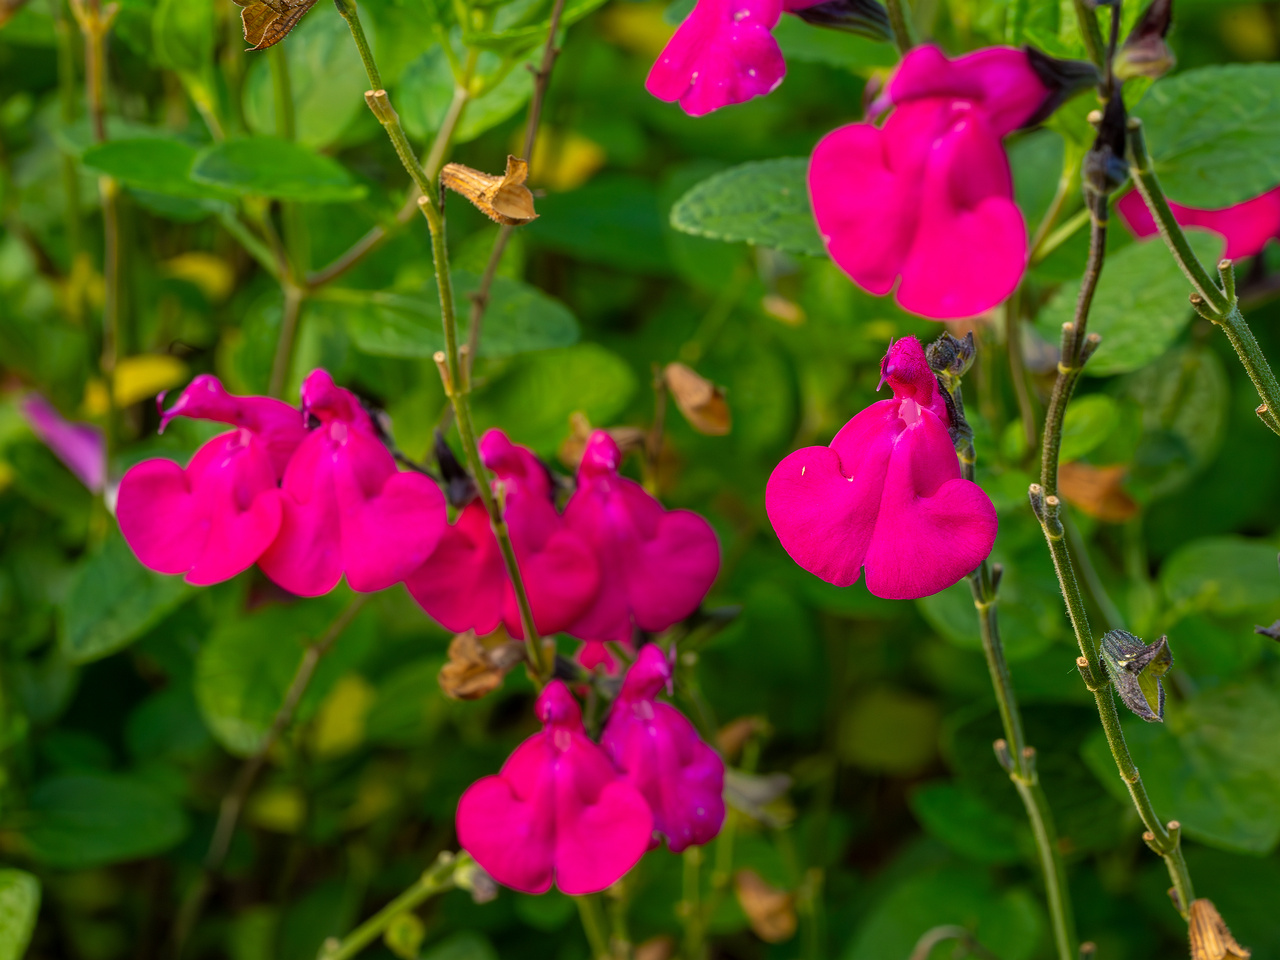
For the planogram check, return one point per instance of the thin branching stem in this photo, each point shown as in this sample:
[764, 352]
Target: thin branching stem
[454, 373]
[541, 80]
[233, 802]
[1077, 347]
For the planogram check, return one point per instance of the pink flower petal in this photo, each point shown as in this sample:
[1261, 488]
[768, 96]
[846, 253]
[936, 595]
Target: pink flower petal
[279, 426]
[723, 53]
[933, 528]
[887, 495]
[556, 811]
[78, 445]
[655, 566]
[997, 80]
[210, 521]
[970, 247]
[658, 750]
[1245, 226]
[462, 584]
[823, 501]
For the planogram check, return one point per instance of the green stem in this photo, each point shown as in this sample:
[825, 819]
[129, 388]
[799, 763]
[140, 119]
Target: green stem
[1076, 350]
[1091, 33]
[442, 876]
[67, 96]
[1017, 371]
[233, 802]
[593, 925]
[695, 918]
[294, 298]
[904, 34]
[1218, 304]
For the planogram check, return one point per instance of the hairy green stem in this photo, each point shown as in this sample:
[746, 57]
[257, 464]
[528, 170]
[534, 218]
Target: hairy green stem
[593, 925]
[457, 381]
[440, 877]
[904, 34]
[1091, 33]
[1077, 347]
[1218, 304]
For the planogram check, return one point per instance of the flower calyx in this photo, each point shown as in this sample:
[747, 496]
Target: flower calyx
[1135, 669]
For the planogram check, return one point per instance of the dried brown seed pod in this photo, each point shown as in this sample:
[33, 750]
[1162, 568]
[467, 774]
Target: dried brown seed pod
[701, 401]
[503, 199]
[1210, 938]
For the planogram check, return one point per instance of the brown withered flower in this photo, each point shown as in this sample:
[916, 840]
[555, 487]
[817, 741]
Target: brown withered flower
[701, 401]
[477, 667]
[770, 911]
[267, 22]
[503, 199]
[1210, 938]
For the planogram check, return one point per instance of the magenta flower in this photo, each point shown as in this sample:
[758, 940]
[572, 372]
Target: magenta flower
[277, 425]
[656, 747]
[655, 565]
[78, 445]
[723, 53]
[926, 200]
[557, 811]
[1246, 226]
[886, 495]
[464, 584]
[346, 508]
[214, 519]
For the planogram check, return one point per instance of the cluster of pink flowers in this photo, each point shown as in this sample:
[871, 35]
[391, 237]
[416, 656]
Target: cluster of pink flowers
[313, 495]
[1246, 227]
[564, 809]
[307, 505]
[887, 495]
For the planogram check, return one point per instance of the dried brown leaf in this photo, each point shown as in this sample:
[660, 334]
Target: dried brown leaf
[701, 401]
[770, 911]
[503, 199]
[656, 948]
[8, 8]
[1098, 491]
[477, 667]
[267, 22]
[1210, 938]
[733, 736]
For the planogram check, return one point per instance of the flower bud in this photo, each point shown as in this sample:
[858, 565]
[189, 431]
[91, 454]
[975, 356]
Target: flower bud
[1105, 167]
[1210, 937]
[867, 18]
[1136, 668]
[1145, 52]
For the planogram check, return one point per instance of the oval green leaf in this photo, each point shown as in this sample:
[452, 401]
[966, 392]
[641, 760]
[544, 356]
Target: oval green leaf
[765, 203]
[153, 164]
[19, 906]
[271, 167]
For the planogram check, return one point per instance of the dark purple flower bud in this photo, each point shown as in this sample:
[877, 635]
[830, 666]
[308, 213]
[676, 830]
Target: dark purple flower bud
[1145, 52]
[1135, 669]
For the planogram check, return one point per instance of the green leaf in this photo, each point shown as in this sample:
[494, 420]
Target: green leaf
[519, 319]
[1089, 420]
[1215, 133]
[153, 164]
[519, 27]
[112, 601]
[837, 48]
[1222, 574]
[533, 400]
[246, 666]
[1219, 772]
[427, 90]
[613, 220]
[965, 824]
[19, 906]
[1007, 923]
[1139, 309]
[183, 33]
[88, 820]
[464, 945]
[889, 730]
[327, 78]
[765, 203]
[1182, 400]
[270, 167]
